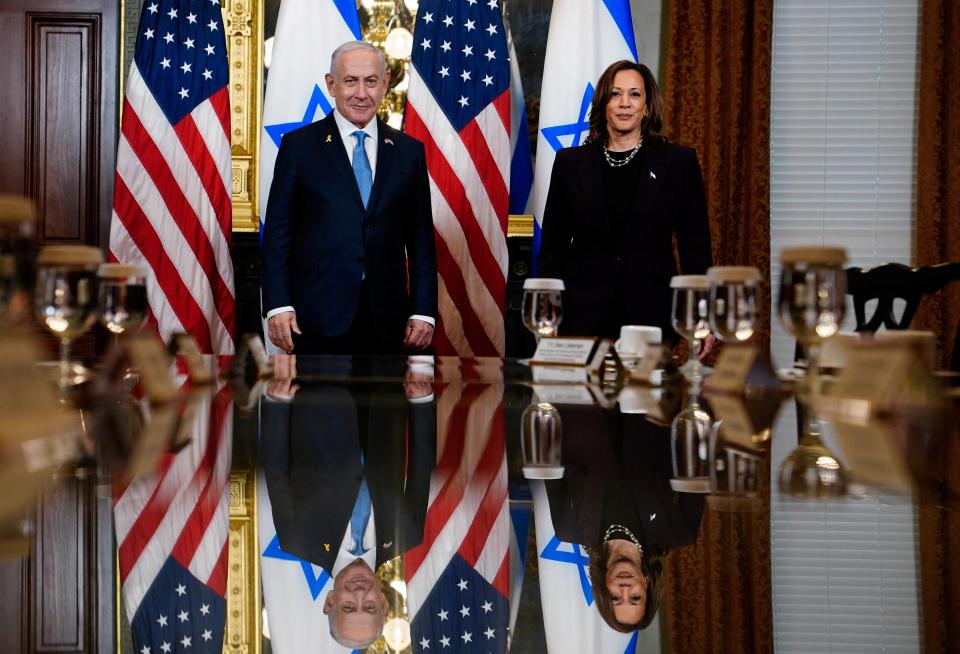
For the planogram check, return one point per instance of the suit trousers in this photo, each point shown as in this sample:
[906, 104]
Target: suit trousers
[360, 338]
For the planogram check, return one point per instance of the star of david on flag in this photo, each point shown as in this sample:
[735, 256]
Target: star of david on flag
[603, 32]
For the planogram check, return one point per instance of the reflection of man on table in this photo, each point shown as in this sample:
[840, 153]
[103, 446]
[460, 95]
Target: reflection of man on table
[349, 264]
[348, 468]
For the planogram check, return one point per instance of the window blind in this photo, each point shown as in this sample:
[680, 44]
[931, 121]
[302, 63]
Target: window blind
[843, 169]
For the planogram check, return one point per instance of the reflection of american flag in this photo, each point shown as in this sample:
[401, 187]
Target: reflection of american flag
[171, 529]
[458, 578]
[458, 104]
[172, 194]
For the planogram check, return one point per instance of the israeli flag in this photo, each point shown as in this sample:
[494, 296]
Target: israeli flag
[585, 37]
[293, 592]
[308, 31]
[571, 621]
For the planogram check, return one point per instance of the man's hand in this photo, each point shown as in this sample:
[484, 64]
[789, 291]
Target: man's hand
[281, 386]
[419, 334]
[279, 328]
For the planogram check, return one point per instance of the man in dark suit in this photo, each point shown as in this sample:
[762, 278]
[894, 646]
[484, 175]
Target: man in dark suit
[349, 264]
[348, 466]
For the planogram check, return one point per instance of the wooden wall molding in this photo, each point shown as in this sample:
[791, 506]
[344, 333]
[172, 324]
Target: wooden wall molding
[63, 55]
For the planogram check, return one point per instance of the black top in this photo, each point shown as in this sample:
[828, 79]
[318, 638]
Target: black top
[620, 185]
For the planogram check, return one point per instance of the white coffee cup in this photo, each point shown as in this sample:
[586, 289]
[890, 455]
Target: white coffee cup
[634, 339]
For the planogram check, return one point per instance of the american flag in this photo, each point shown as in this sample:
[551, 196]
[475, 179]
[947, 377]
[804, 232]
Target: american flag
[171, 207]
[171, 529]
[458, 104]
[458, 579]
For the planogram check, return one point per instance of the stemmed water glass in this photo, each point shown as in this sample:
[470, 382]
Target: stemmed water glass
[812, 297]
[733, 302]
[691, 433]
[690, 318]
[122, 302]
[542, 306]
[65, 299]
[541, 432]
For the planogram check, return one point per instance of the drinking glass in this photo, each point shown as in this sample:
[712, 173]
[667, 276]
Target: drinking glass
[17, 255]
[541, 436]
[65, 299]
[812, 297]
[123, 297]
[691, 319]
[691, 432]
[542, 306]
[733, 302]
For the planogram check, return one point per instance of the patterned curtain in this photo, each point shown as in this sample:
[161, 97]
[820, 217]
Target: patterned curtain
[717, 97]
[938, 166]
[717, 100]
[938, 240]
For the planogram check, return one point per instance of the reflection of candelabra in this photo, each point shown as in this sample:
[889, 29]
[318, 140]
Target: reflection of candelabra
[396, 630]
[388, 24]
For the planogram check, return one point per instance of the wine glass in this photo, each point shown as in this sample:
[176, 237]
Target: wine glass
[733, 302]
[541, 432]
[17, 254]
[691, 432]
[542, 306]
[123, 297]
[812, 297]
[65, 298]
[691, 319]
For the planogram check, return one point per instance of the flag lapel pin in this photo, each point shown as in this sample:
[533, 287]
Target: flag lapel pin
[388, 141]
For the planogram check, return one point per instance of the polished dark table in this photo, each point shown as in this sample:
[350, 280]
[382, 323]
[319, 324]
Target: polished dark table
[488, 485]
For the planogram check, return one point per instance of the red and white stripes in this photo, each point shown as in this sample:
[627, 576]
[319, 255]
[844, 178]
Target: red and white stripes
[470, 189]
[182, 509]
[172, 213]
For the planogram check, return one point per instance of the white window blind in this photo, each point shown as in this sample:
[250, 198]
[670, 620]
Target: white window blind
[843, 170]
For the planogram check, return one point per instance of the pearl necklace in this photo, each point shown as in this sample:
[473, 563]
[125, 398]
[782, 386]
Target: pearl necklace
[612, 529]
[619, 163]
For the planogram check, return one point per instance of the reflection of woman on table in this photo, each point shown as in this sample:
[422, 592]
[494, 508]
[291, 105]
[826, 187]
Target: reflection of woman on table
[614, 206]
[615, 500]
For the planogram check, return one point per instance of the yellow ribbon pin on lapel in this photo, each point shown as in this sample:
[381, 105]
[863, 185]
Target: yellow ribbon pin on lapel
[328, 138]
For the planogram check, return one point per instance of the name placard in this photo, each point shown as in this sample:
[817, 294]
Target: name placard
[559, 374]
[153, 363]
[733, 366]
[564, 351]
[199, 371]
[872, 454]
[564, 393]
[735, 424]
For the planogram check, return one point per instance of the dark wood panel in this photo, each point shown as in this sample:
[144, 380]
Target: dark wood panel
[60, 553]
[63, 126]
[13, 576]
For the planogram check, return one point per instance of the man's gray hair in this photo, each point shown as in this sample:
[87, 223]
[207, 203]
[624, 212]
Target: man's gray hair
[350, 46]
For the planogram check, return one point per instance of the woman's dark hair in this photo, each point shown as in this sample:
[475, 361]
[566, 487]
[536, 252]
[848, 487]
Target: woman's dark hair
[651, 565]
[650, 126]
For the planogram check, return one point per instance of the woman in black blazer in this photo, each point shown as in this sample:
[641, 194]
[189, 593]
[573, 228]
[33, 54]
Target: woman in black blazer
[614, 207]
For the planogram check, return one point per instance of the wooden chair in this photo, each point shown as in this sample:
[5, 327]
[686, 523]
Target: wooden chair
[891, 281]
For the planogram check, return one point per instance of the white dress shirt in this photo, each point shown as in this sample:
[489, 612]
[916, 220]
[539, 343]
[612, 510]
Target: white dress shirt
[346, 129]
[344, 555]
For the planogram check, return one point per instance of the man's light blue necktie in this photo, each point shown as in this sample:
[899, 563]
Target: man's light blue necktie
[360, 517]
[361, 167]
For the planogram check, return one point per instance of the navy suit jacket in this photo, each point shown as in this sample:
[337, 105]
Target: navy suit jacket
[581, 246]
[319, 241]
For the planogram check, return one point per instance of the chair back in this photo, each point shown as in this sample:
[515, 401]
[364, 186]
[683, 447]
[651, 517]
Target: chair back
[889, 282]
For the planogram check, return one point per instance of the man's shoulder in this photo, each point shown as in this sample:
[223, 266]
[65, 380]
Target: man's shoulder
[392, 136]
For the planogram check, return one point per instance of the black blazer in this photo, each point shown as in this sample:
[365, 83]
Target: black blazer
[310, 452]
[580, 246]
[319, 241]
[610, 457]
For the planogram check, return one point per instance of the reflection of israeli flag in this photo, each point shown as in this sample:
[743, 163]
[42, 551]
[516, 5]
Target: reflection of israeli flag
[293, 591]
[308, 31]
[585, 37]
[571, 621]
